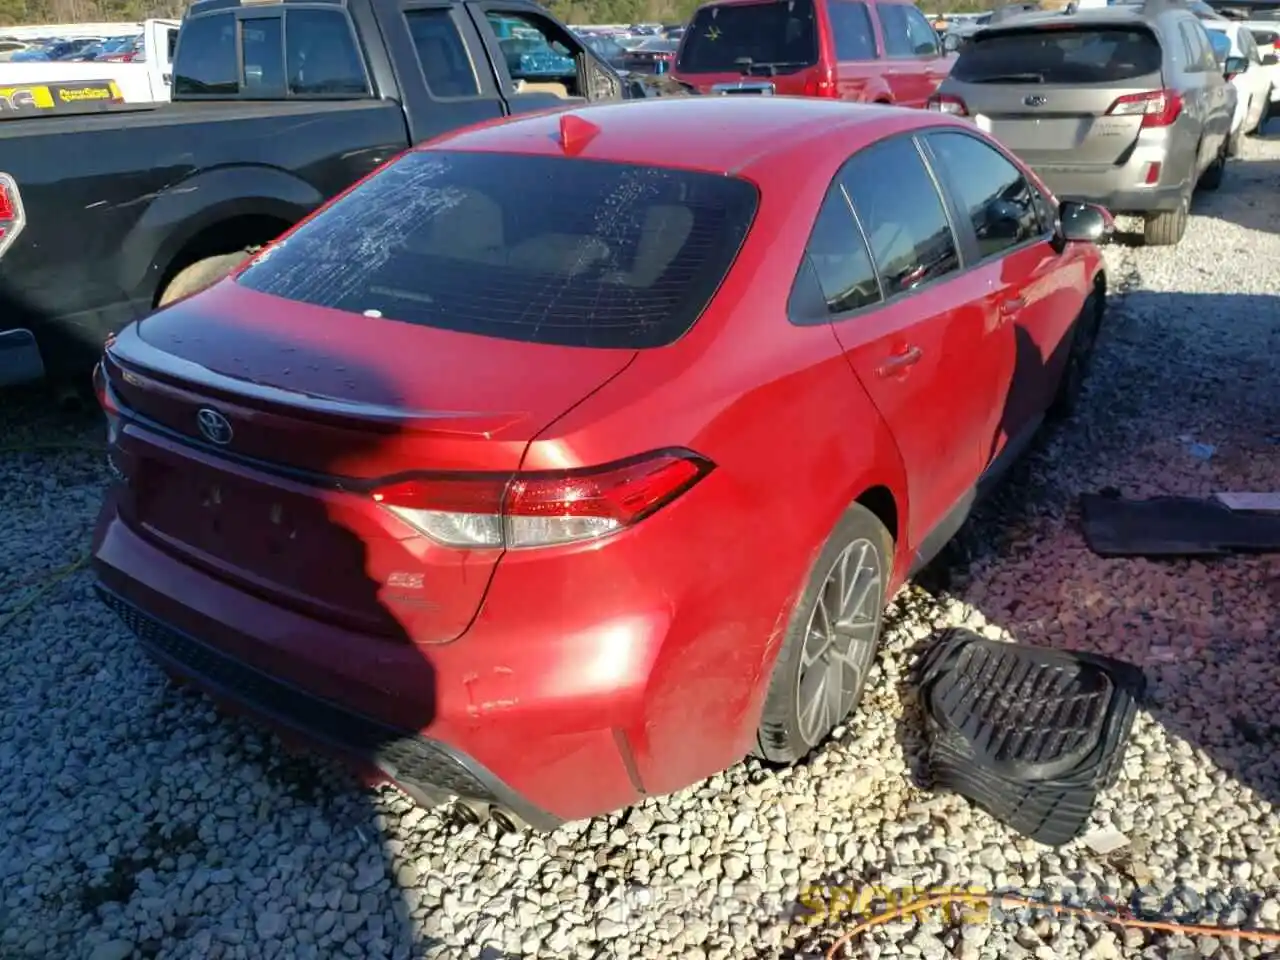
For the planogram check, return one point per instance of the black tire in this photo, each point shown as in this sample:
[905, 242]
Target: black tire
[1234, 142]
[1084, 341]
[1211, 179]
[203, 273]
[784, 736]
[1165, 229]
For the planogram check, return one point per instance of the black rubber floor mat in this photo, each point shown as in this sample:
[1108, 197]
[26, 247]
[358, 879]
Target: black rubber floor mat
[1175, 527]
[1030, 735]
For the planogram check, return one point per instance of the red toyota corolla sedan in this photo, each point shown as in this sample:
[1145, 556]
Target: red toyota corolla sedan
[568, 459]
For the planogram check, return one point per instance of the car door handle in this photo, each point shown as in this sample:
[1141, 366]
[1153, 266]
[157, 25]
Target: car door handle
[1011, 306]
[900, 361]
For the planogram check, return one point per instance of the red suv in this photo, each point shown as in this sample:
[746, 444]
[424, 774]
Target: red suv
[568, 459]
[873, 51]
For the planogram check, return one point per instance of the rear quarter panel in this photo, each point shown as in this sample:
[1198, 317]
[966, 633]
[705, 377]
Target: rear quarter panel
[795, 441]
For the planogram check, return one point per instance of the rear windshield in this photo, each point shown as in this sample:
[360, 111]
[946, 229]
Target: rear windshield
[1264, 38]
[770, 35]
[1084, 55]
[539, 249]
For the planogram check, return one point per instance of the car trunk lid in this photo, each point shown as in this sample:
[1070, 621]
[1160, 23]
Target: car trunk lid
[255, 430]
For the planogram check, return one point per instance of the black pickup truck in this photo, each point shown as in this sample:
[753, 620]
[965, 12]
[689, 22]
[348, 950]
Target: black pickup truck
[278, 106]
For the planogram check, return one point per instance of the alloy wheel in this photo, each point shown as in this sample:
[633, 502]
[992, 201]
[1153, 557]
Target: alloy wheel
[840, 640]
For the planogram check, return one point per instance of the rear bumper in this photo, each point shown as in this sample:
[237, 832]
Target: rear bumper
[1117, 194]
[489, 721]
[428, 770]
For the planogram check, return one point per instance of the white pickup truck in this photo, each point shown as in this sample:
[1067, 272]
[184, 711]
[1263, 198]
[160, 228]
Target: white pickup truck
[147, 78]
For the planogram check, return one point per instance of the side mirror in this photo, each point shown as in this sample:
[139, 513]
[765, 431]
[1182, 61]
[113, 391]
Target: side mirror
[1270, 60]
[1084, 222]
[1234, 65]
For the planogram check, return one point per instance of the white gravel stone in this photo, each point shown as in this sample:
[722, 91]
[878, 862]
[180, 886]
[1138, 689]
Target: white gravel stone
[137, 820]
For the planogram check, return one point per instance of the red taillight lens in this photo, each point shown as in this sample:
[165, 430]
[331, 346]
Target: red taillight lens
[946, 103]
[12, 219]
[540, 509]
[1158, 108]
[821, 82]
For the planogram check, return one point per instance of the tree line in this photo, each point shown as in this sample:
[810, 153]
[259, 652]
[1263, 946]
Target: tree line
[19, 12]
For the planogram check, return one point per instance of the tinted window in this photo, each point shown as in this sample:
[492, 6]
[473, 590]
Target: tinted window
[924, 39]
[208, 61]
[906, 32]
[780, 33]
[992, 192]
[322, 54]
[1220, 43]
[839, 256]
[1086, 55]
[539, 249]
[263, 56]
[171, 44]
[851, 23]
[906, 227]
[1264, 38]
[446, 66]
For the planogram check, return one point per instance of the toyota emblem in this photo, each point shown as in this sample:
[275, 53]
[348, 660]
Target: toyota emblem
[1034, 100]
[214, 427]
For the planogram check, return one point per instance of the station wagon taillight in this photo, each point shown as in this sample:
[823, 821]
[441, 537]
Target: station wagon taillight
[947, 103]
[478, 511]
[12, 219]
[1158, 108]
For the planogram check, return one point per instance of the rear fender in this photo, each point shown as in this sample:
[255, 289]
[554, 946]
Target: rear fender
[182, 211]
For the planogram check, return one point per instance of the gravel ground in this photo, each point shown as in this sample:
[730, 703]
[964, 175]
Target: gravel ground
[135, 821]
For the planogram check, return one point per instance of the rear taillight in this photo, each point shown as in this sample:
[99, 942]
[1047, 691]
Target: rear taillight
[540, 509]
[948, 103]
[12, 219]
[1158, 108]
[821, 82]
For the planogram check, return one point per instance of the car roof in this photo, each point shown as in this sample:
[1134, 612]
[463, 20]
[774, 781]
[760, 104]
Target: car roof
[1117, 15]
[716, 134]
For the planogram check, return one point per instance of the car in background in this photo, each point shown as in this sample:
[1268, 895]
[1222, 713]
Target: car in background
[1124, 106]
[55, 50]
[9, 47]
[1244, 70]
[106, 49]
[529, 589]
[877, 51]
[608, 49]
[653, 55]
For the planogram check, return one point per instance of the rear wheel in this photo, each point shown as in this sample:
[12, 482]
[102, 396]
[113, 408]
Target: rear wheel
[203, 273]
[831, 640]
[1165, 228]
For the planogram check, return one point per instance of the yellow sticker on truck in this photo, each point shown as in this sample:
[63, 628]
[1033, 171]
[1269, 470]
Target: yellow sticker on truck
[86, 96]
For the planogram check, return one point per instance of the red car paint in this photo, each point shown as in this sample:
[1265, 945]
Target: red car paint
[877, 74]
[583, 676]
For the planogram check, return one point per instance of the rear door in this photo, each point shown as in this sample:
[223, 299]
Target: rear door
[913, 64]
[1030, 298]
[910, 322]
[1047, 92]
[859, 73]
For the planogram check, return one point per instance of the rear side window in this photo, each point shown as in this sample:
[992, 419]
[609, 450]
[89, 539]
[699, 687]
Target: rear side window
[851, 24]
[321, 54]
[1085, 55]
[779, 33]
[999, 202]
[907, 228]
[906, 31]
[442, 54]
[840, 257]
[537, 249]
[208, 64]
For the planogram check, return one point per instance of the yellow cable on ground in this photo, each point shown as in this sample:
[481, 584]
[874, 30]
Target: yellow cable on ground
[997, 900]
[49, 583]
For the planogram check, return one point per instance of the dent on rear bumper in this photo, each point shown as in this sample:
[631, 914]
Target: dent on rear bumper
[497, 721]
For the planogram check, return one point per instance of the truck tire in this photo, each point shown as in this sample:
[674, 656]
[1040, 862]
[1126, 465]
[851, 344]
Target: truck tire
[1165, 229]
[196, 276]
[788, 731]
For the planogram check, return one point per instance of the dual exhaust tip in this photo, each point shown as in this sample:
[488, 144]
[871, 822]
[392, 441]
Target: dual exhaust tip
[473, 813]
